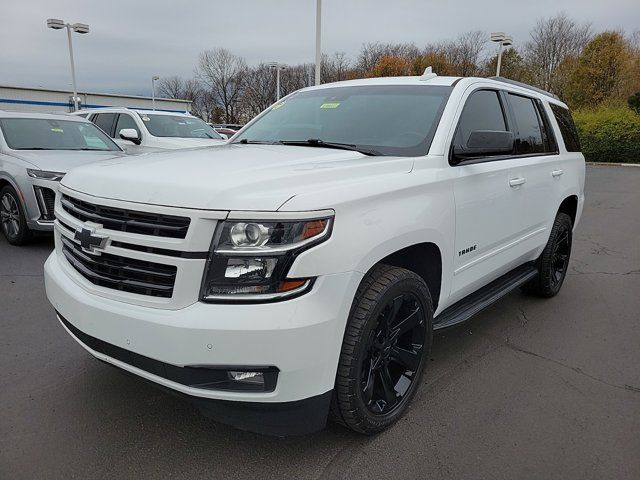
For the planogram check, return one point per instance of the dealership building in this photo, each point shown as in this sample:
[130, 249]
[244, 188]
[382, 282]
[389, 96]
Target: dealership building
[27, 99]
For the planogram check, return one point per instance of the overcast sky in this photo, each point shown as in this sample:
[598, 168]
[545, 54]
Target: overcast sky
[134, 39]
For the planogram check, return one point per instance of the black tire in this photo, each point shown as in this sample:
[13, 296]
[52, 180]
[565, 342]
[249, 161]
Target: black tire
[12, 219]
[378, 353]
[553, 263]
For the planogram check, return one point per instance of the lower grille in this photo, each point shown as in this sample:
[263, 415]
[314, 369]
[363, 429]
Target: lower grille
[46, 202]
[121, 273]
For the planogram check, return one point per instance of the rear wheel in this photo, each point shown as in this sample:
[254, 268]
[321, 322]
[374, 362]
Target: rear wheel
[12, 219]
[387, 339]
[554, 261]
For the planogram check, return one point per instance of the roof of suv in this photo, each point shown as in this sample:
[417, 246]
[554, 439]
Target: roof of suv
[127, 109]
[441, 81]
[47, 116]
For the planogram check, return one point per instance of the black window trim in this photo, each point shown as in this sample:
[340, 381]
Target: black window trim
[509, 122]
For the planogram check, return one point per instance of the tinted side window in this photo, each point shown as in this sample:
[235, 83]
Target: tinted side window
[567, 128]
[529, 132]
[481, 112]
[105, 122]
[126, 121]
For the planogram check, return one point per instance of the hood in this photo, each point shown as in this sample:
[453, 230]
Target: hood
[62, 160]
[175, 142]
[231, 177]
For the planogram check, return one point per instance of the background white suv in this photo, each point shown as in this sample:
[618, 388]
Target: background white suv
[303, 267]
[140, 131]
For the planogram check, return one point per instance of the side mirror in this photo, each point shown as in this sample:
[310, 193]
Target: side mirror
[130, 134]
[484, 143]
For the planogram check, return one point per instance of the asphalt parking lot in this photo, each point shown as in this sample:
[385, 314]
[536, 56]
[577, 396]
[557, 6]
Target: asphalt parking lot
[528, 389]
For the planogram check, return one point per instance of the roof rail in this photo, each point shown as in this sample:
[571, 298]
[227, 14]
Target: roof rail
[524, 85]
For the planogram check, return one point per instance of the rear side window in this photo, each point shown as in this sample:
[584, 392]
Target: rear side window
[529, 136]
[481, 112]
[567, 128]
[105, 122]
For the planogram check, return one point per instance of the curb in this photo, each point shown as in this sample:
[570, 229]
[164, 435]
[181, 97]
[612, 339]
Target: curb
[607, 164]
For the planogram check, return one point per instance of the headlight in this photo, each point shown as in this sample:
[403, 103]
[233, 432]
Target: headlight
[45, 175]
[249, 260]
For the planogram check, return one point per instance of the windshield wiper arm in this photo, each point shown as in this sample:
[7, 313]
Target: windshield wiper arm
[316, 142]
[244, 141]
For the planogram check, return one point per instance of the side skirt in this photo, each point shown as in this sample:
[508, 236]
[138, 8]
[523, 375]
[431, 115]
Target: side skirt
[464, 309]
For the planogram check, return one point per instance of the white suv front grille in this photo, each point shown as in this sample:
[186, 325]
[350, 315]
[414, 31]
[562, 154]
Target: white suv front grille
[153, 255]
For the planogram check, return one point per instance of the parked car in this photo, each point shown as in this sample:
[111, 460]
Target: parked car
[142, 131]
[307, 267]
[35, 152]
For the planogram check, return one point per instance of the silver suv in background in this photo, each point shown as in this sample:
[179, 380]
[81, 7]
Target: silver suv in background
[141, 131]
[36, 150]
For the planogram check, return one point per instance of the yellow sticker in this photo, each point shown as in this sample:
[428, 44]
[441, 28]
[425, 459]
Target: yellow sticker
[57, 130]
[330, 105]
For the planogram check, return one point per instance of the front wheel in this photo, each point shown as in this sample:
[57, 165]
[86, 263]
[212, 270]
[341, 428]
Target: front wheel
[384, 351]
[12, 219]
[554, 261]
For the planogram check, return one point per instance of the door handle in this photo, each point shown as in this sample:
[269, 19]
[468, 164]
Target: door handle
[515, 182]
[556, 173]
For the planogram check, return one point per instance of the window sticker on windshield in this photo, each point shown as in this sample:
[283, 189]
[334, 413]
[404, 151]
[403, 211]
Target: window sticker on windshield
[57, 130]
[330, 105]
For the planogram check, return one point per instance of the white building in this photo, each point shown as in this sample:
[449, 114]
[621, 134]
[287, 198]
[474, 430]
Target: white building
[27, 99]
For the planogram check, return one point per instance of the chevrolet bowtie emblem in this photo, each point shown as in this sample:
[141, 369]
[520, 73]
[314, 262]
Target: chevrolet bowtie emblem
[88, 241]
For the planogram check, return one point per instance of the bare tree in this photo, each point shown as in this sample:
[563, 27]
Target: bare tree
[553, 41]
[222, 72]
[334, 68]
[465, 53]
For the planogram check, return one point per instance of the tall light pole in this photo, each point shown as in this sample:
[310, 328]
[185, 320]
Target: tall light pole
[58, 24]
[153, 91]
[503, 40]
[279, 67]
[318, 38]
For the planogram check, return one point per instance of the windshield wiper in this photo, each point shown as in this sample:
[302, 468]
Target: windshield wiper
[244, 141]
[316, 142]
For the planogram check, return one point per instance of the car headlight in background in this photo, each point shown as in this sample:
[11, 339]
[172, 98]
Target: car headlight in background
[249, 260]
[45, 175]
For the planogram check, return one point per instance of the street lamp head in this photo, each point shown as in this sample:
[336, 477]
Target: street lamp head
[155, 77]
[272, 64]
[80, 28]
[507, 41]
[498, 36]
[55, 23]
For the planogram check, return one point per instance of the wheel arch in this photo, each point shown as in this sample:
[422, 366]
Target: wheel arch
[569, 206]
[424, 259]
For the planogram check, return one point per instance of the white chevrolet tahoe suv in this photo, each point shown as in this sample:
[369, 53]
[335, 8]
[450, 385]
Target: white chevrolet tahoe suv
[299, 272]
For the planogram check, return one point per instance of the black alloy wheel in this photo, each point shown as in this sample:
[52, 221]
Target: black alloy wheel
[394, 354]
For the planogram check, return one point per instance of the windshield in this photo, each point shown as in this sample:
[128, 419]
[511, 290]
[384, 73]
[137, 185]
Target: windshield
[47, 134]
[385, 119]
[177, 126]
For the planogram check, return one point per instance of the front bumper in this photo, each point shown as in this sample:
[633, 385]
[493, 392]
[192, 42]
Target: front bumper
[301, 337]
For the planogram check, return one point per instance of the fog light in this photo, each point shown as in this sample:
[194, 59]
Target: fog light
[252, 378]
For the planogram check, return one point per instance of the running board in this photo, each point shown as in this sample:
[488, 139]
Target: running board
[466, 308]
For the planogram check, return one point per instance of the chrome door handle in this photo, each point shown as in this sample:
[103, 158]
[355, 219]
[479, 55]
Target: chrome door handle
[556, 173]
[514, 182]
